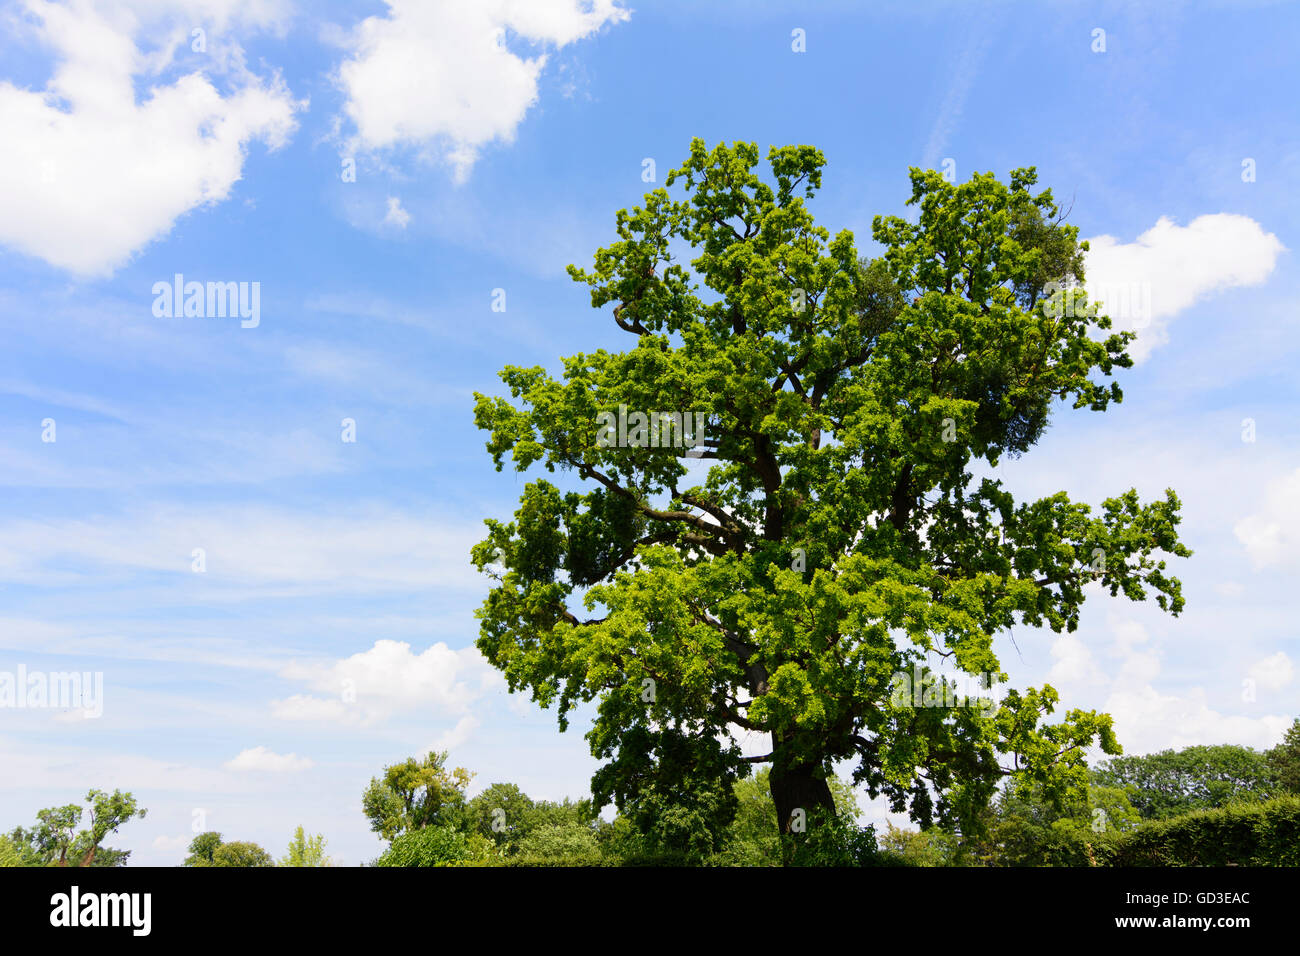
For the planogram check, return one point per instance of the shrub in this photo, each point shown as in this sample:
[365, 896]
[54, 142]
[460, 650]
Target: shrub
[932, 847]
[832, 840]
[1259, 834]
[561, 840]
[427, 846]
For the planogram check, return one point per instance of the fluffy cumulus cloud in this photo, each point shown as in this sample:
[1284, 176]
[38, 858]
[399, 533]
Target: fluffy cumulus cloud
[1127, 683]
[1145, 283]
[448, 78]
[116, 146]
[391, 679]
[262, 759]
[1273, 672]
[1271, 535]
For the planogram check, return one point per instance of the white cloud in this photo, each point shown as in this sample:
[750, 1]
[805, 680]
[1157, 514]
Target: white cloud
[387, 679]
[441, 77]
[396, 215]
[1145, 283]
[262, 759]
[89, 175]
[1072, 663]
[1274, 672]
[1271, 536]
[1148, 719]
[451, 739]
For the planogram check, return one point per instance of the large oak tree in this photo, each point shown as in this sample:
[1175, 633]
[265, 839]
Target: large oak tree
[830, 531]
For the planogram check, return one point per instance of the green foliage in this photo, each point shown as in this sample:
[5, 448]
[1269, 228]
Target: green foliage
[56, 841]
[678, 804]
[437, 845]
[560, 840]
[514, 823]
[832, 840]
[633, 860]
[839, 535]
[1028, 829]
[202, 847]
[1284, 760]
[306, 850]
[502, 813]
[10, 854]
[240, 853]
[753, 838]
[1171, 782]
[1031, 829]
[415, 794]
[920, 847]
[564, 812]
[1258, 834]
[208, 849]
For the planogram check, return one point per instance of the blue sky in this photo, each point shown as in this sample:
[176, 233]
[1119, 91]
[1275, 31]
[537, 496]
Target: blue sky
[493, 142]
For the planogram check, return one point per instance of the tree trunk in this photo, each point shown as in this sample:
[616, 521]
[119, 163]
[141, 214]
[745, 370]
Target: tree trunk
[796, 788]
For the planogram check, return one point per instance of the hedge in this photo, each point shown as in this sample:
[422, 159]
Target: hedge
[1252, 834]
[1245, 834]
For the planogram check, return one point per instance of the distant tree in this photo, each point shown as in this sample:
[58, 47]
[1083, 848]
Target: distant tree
[239, 853]
[1030, 829]
[208, 849]
[931, 847]
[619, 839]
[564, 812]
[56, 841]
[1170, 782]
[502, 813]
[10, 855]
[416, 794]
[306, 851]
[753, 839]
[201, 849]
[1284, 759]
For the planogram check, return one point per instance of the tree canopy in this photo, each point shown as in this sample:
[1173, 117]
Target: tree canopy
[415, 794]
[55, 840]
[1284, 759]
[828, 530]
[305, 850]
[209, 849]
[1174, 782]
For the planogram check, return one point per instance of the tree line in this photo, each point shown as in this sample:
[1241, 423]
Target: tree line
[421, 809]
